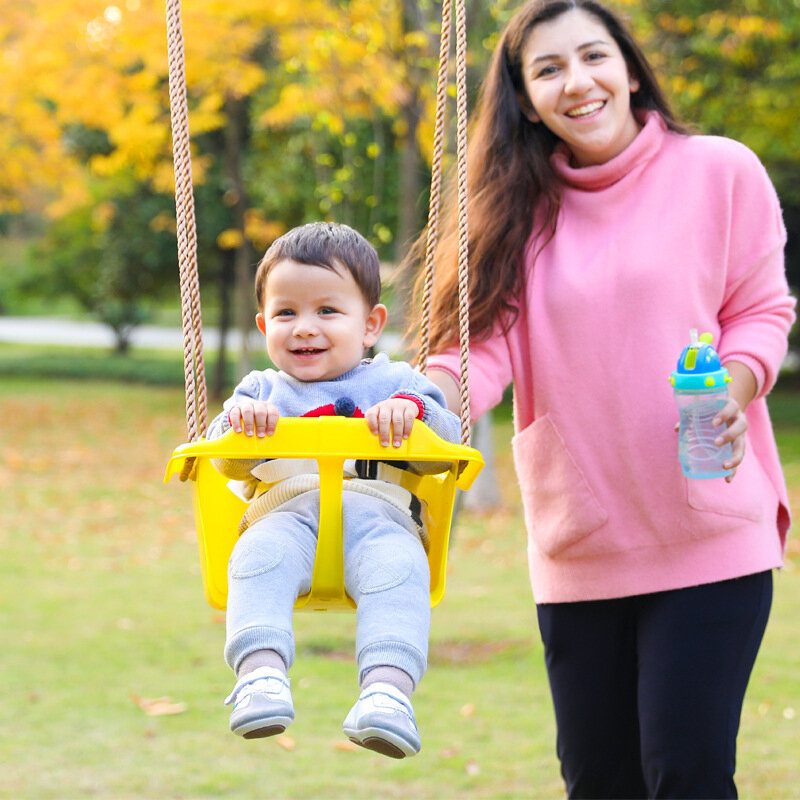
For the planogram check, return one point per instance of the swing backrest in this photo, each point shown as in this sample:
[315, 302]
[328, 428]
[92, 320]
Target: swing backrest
[331, 440]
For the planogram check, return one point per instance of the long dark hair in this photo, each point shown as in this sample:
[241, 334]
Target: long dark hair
[511, 178]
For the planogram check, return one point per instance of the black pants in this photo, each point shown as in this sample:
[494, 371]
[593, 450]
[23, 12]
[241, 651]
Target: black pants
[648, 690]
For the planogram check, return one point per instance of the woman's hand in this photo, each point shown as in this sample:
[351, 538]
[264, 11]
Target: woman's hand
[734, 418]
[255, 415]
[394, 417]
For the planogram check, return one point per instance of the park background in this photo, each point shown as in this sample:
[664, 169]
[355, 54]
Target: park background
[111, 670]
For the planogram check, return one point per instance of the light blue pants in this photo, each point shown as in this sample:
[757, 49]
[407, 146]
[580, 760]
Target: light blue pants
[385, 571]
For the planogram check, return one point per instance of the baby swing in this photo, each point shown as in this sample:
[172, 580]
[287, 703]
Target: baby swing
[329, 440]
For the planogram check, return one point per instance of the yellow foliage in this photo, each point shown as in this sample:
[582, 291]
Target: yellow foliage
[751, 25]
[261, 231]
[230, 239]
[715, 23]
[418, 39]
[103, 66]
[163, 222]
[103, 215]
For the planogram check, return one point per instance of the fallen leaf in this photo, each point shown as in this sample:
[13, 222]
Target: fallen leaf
[345, 745]
[158, 706]
[14, 459]
[472, 768]
[286, 742]
[467, 710]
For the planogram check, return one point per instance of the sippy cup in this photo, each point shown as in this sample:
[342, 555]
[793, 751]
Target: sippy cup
[700, 384]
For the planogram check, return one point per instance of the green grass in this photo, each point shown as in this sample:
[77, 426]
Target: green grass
[139, 365]
[102, 603]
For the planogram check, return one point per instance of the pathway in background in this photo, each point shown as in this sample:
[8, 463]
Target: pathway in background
[45, 330]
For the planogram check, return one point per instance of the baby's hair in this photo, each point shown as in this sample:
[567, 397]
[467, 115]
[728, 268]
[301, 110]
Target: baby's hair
[329, 245]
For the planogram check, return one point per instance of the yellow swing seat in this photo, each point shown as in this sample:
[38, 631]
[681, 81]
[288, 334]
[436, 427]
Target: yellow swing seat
[331, 441]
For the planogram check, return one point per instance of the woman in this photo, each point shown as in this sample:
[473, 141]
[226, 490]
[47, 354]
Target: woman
[602, 232]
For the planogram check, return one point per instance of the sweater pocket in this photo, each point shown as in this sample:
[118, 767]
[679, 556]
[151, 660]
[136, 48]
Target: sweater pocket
[560, 506]
[747, 496]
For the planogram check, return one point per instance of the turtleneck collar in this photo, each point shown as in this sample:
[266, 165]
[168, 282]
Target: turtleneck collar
[599, 176]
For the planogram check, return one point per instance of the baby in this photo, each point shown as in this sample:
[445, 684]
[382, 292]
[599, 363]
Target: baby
[318, 291]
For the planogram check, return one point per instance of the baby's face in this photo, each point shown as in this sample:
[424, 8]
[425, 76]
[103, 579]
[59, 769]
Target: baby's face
[316, 321]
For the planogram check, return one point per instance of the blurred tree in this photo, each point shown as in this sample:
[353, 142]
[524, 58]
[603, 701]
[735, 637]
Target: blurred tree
[322, 108]
[85, 95]
[94, 254]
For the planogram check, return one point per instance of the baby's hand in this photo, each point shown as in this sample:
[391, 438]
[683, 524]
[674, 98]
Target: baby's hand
[252, 414]
[394, 417]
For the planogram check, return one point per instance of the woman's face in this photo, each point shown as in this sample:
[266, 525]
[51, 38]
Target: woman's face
[578, 85]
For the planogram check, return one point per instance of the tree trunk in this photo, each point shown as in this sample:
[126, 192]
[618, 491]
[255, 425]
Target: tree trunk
[236, 134]
[227, 277]
[412, 168]
[484, 494]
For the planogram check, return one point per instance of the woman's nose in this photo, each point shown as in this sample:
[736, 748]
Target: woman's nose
[578, 81]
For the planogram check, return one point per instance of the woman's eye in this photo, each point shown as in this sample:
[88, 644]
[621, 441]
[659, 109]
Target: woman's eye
[595, 56]
[550, 69]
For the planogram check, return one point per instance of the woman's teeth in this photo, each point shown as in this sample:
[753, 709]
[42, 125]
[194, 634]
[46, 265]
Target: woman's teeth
[589, 108]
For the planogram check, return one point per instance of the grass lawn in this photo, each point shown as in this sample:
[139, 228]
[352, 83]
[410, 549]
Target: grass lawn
[102, 612]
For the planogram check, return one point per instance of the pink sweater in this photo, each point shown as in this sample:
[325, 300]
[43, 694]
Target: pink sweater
[676, 232]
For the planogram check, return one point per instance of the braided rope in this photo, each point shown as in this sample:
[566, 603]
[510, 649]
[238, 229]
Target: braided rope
[463, 228]
[193, 365]
[434, 204]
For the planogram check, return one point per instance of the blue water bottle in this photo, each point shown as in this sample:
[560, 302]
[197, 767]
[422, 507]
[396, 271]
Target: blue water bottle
[701, 390]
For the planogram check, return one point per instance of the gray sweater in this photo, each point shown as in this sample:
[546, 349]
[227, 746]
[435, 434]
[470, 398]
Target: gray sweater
[370, 382]
[351, 394]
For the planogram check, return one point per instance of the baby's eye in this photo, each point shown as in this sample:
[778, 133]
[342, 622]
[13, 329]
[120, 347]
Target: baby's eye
[285, 312]
[327, 310]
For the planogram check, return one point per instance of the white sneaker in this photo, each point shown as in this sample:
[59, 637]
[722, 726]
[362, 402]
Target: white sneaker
[262, 704]
[383, 720]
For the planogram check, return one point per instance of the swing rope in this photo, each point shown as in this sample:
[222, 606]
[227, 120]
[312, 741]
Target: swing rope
[194, 368]
[193, 365]
[434, 205]
[463, 228]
